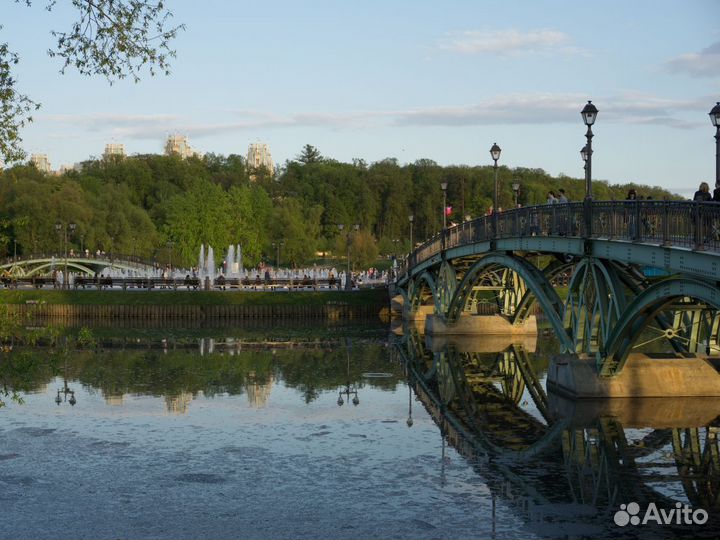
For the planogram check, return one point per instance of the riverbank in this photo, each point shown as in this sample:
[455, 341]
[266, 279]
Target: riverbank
[196, 305]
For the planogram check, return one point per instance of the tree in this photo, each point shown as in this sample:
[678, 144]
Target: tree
[111, 38]
[364, 250]
[309, 155]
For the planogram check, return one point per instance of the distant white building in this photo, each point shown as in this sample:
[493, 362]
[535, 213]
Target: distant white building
[259, 156]
[114, 149]
[178, 145]
[67, 168]
[41, 162]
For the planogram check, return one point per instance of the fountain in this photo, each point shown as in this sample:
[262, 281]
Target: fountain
[210, 265]
[201, 263]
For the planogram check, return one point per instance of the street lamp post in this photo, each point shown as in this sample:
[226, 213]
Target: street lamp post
[411, 218]
[277, 245]
[516, 191]
[495, 154]
[443, 186]
[715, 119]
[348, 277]
[589, 114]
[170, 245]
[60, 228]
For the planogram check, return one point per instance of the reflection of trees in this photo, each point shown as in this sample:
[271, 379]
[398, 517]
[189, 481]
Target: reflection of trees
[177, 373]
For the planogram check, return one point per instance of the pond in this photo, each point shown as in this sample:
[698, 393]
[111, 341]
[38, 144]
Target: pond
[343, 432]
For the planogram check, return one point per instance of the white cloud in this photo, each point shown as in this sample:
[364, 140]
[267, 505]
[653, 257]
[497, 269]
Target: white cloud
[628, 107]
[706, 63]
[508, 42]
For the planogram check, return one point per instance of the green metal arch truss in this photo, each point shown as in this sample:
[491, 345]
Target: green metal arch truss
[643, 309]
[536, 282]
[417, 291]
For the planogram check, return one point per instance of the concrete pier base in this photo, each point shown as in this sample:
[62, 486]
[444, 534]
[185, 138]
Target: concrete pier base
[466, 343]
[642, 376]
[420, 315]
[480, 324]
[658, 413]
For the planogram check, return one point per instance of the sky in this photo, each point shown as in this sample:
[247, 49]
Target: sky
[404, 79]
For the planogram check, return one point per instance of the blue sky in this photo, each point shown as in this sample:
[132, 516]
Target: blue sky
[404, 79]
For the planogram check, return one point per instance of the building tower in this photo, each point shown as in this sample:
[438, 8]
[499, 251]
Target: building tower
[41, 162]
[114, 150]
[259, 156]
[178, 145]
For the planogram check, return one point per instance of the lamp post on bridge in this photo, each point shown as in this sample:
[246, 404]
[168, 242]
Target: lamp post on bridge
[495, 154]
[411, 218]
[61, 228]
[589, 114]
[715, 119]
[516, 192]
[443, 186]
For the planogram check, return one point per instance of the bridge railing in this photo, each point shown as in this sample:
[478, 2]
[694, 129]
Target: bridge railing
[685, 224]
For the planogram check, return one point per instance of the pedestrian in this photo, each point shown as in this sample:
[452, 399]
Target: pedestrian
[631, 195]
[703, 193]
[716, 193]
[562, 198]
[551, 198]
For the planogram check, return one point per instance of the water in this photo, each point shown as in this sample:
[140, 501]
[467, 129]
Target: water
[170, 440]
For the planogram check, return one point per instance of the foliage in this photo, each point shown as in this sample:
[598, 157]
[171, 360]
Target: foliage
[364, 250]
[138, 205]
[111, 38]
[85, 337]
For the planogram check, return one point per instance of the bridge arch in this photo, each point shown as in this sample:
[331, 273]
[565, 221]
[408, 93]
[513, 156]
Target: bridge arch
[645, 307]
[424, 282]
[536, 282]
[595, 302]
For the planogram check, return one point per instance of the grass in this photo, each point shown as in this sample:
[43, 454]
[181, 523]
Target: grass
[194, 298]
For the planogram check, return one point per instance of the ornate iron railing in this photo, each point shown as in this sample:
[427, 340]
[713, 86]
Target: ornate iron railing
[685, 224]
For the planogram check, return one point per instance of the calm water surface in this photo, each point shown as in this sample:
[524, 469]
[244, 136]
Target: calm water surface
[247, 438]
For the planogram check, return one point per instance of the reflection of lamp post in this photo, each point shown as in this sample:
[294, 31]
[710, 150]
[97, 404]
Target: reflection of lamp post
[65, 390]
[411, 218]
[715, 119]
[348, 388]
[60, 228]
[443, 186]
[410, 418]
[348, 278]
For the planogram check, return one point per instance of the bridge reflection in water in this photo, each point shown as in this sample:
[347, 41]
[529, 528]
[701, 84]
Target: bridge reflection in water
[566, 466]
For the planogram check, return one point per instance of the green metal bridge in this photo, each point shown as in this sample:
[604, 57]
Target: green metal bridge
[44, 264]
[633, 268]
